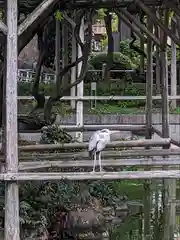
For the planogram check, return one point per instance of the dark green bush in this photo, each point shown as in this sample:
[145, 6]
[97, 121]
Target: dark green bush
[120, 61]
[132, 90]
[25, 89]
[129, 52]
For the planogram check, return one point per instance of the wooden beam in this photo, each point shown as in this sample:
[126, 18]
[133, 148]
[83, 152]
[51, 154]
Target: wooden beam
[115, 144]
[173, 67]
[140, 26]
[149, 83]
[157, 21]
[159, 133]
[58, 51]
[128, 23]
[107, 153]
[109, 98]
[81, 176]
[157, 33]
[72, 128]
[12, 228]
[46, 5]
[27, 166]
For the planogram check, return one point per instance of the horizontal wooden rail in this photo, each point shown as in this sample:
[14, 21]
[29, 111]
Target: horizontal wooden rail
[114, 144]
[122, 127]
[81, 176]
[159, 133]
[105, 155]
[87, 98]
[89, 163]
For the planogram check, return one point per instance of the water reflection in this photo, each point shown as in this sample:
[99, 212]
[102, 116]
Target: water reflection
[152, 216]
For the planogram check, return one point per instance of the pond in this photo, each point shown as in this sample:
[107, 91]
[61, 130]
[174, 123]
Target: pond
[145, 218]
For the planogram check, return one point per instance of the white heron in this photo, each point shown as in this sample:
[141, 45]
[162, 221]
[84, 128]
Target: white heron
[97, 143]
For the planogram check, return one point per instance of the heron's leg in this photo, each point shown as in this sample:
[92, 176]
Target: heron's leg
[100, 162]
[94, 164]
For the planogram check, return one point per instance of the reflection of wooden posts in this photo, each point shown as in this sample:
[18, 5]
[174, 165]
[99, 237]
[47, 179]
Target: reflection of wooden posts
[80, 88]
[149, 90]
[173, 68]
[12, 190]
[73, 70]
[140, 225]
[156, 232]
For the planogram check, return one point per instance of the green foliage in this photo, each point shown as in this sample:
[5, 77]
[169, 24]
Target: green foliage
[130, 53]
[106, 192]
[120, 61]
[101, 13]
[38, 201]
[53, 134]
[59, 15]
[25, 88]
[132, 90]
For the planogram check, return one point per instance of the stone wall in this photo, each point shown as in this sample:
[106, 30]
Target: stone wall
[116, 119]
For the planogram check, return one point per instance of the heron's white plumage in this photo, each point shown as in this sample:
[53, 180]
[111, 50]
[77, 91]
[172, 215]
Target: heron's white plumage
[98, 142]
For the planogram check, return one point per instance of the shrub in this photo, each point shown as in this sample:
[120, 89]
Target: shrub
[130, 53]
[132, 90]
[120, 61]
[25, 88]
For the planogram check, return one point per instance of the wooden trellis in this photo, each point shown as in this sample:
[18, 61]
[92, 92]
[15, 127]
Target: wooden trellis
[11, 175]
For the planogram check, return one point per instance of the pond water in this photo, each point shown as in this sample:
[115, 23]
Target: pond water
[146, 218]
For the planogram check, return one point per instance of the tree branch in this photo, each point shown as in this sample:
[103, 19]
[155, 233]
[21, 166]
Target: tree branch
[86, 47]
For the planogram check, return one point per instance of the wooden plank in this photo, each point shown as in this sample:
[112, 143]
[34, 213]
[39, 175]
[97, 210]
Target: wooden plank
[140, 26]
[80, 86]
[81, 176]
[12, 229]
[100, 98]
[157, 21]
[73, 128]
[37, 13]
[113, 144]
[149, 84]
[149, 90]
[105, 154]
[128, 23]
[26, 166]
[173, 67]
[58, 52]
[73, 70]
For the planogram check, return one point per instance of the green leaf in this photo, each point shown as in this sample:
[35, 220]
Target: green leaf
[58, 15]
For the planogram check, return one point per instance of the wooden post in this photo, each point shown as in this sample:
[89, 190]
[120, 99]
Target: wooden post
[173, 67]
[149, 90]
[80, 89]
[158, 83]
[168, 184]
[65, 49]
[142, 49]
[58, 50]
[12, 190]
[73, 70]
